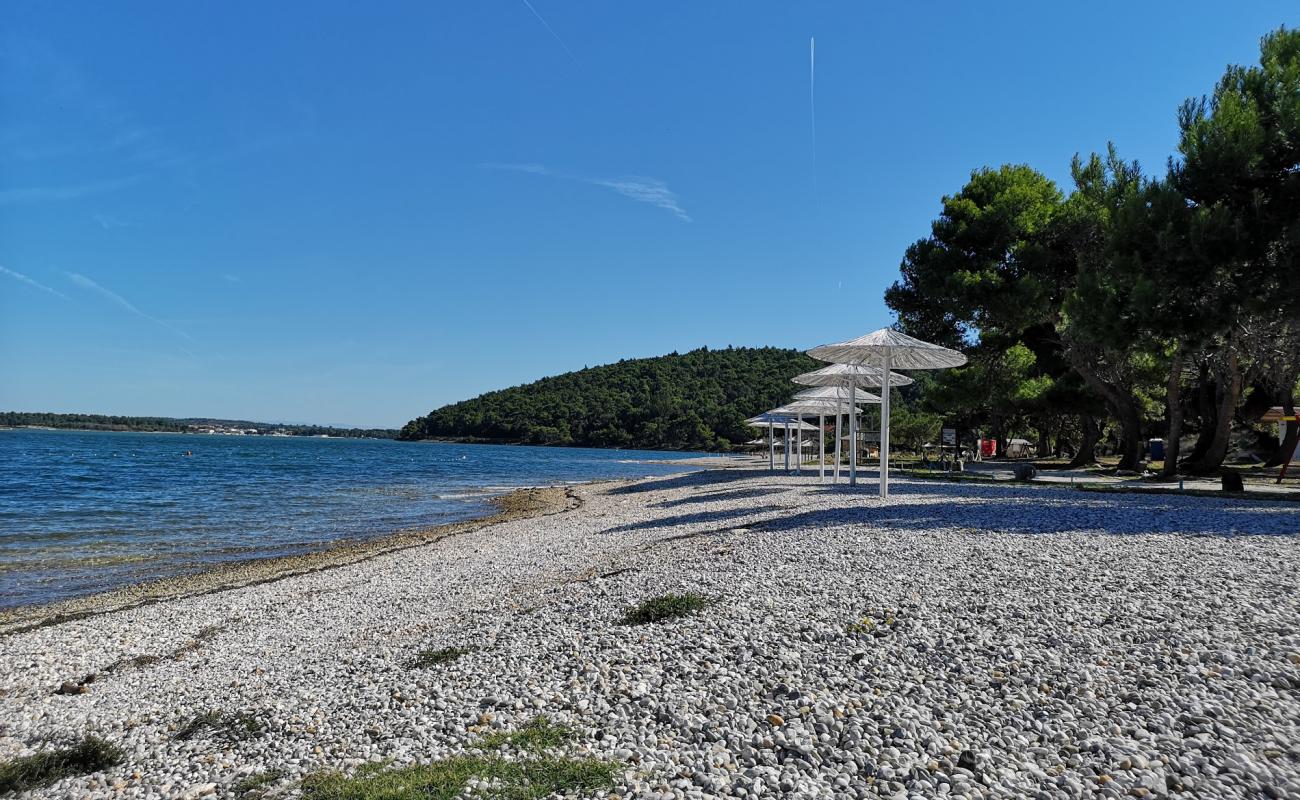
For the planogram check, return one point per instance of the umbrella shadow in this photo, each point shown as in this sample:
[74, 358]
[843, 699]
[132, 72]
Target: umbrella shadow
[686, 480]
[697, 518]
[1024, 509]
[724, 495]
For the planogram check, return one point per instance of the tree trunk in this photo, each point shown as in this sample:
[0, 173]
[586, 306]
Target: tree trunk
[1126, 411]
[1206, 389]
[1087, 453]
[1174, 401]
[1218, 447]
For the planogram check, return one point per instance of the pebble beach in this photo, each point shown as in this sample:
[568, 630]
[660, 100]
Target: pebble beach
[963, 640]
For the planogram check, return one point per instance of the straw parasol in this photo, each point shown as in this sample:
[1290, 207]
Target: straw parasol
[885, 350]
[849, 377]
[821, 406]
[843, 374]
[770, 420]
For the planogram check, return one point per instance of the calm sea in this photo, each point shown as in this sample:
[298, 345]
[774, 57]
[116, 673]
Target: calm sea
[83, 512]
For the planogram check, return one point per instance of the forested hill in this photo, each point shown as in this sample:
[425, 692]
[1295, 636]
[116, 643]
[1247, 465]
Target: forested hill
[692, 401]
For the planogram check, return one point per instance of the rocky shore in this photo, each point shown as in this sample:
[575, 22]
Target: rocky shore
[965, 640]
[518, 504]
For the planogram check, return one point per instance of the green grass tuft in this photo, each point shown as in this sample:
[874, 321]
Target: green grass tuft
[446, 779]
[433, 658]
[669, 606]
[91, 754]
[256, 781]
[539, 734]
[231, 727]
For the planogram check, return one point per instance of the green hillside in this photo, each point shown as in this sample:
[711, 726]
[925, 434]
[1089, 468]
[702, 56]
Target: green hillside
[692, 401]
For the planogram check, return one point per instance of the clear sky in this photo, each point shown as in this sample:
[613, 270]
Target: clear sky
[350, 214]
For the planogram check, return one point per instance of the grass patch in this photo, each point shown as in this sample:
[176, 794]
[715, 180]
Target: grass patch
[231, 727]
[448, 778]
[91, 754]
[205, 634]
[942, 475]
[666, 607]
[539, 734]
[874, 624]
[256, 781]
[435, 658]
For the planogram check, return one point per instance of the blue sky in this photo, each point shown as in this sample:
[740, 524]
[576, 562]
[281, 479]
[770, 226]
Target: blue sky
[310, 212]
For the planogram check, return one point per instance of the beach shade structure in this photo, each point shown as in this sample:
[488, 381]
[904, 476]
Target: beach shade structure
[885, 349]
[849, 377]
[839, 395]
[867, 377]
[821, 406]
[771, 420]
[835, 394]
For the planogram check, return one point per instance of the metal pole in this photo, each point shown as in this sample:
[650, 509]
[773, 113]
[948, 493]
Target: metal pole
[821, 448]
[853, 434]
[771, 447]
[884, 430]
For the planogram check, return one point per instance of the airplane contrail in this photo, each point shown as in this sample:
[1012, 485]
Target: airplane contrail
[812, 103]
[549, 28]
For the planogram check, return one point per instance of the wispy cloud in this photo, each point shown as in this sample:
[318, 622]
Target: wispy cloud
[532, 169]
[33, 194]
[109, 223]
[37, 284]
[232, 278]
[119, 300]
[92, 122]
[642, 189]
[647, 190]
[548, 27]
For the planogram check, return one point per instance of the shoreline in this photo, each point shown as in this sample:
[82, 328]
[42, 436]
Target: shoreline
[518, 504]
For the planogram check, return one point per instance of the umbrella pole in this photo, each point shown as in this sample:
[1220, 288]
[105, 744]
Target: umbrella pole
[839, 414]
[771, 447]
[798, 445]
[787, 444]
[884, 431]
[853, 434]
[821, 448]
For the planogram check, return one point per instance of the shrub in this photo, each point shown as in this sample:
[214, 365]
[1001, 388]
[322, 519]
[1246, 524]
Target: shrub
[666, 607]
[433, 658]
[231, 727]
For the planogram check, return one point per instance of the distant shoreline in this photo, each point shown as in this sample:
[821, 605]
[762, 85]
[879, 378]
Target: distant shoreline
[271, 431]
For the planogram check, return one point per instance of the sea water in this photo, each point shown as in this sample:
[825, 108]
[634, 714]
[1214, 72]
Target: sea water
[82, 512]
